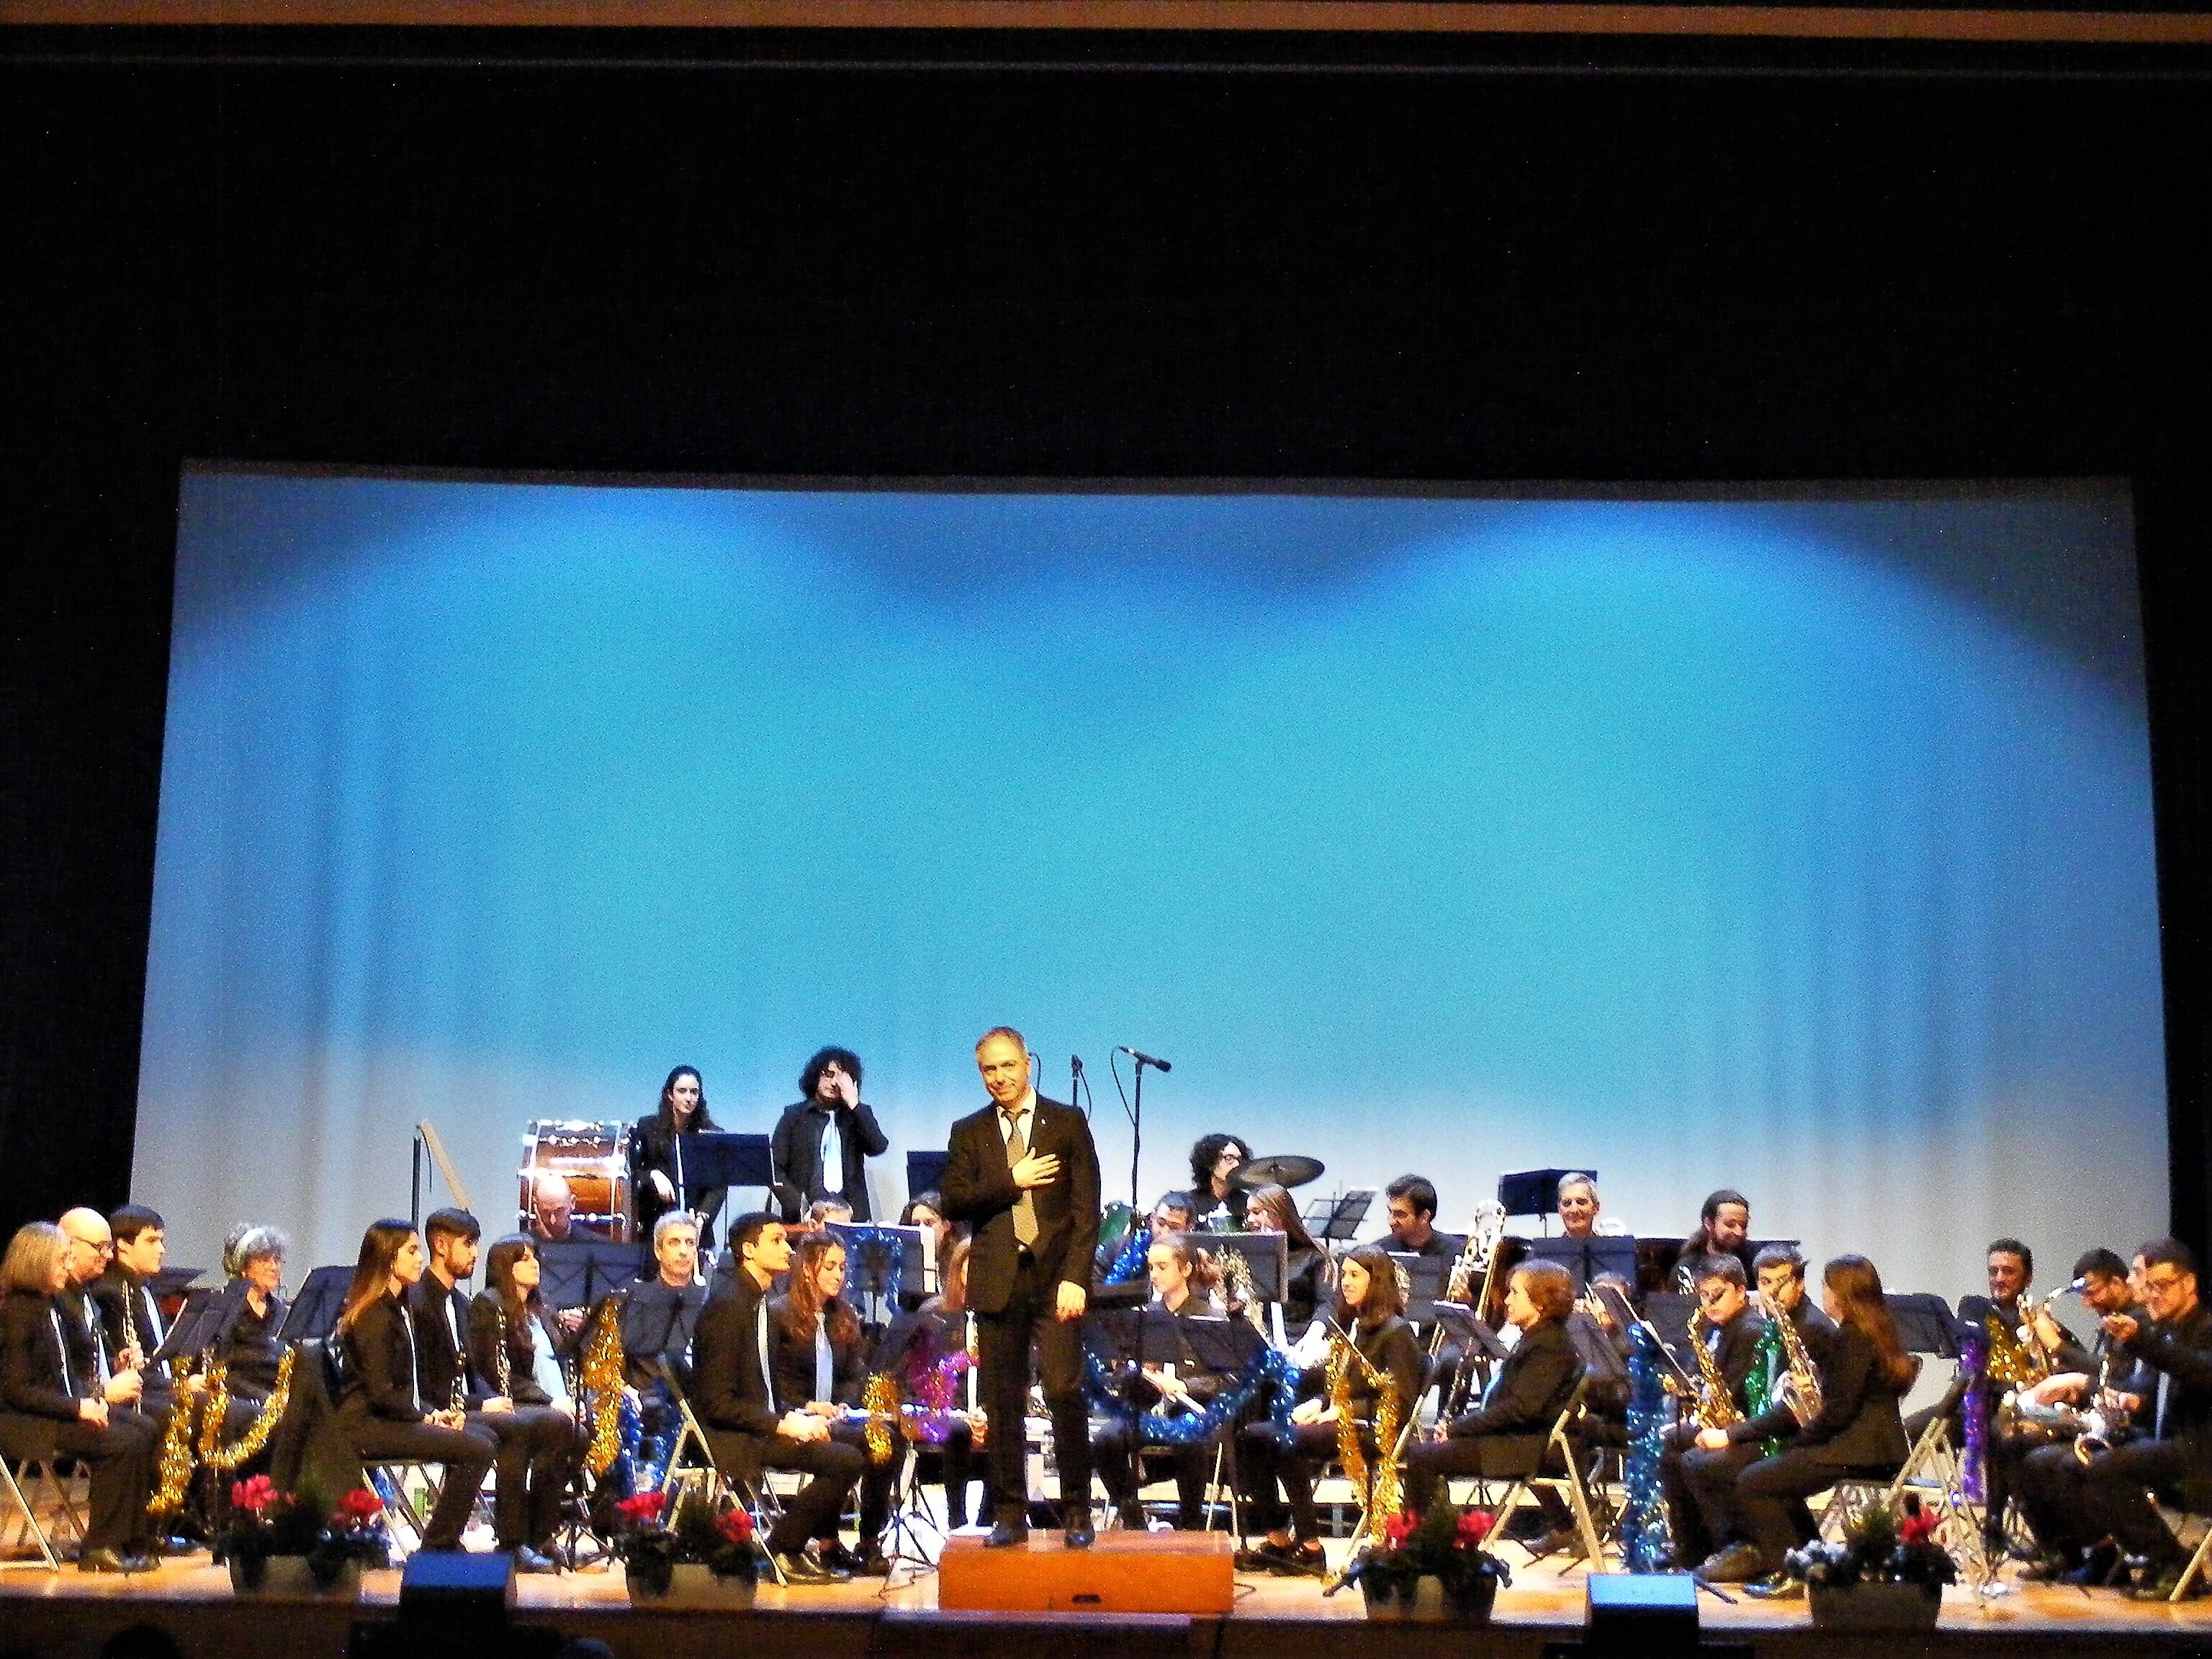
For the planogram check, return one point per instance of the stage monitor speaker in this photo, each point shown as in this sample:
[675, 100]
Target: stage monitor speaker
[451, 1587]
[1627, 1613]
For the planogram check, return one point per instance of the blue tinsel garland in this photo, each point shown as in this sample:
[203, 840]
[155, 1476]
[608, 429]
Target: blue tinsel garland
[1646, 1540]
[1266, 1368]
[1131, 1261]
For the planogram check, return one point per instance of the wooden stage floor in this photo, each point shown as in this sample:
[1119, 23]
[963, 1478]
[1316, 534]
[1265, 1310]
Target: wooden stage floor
[69, 1615]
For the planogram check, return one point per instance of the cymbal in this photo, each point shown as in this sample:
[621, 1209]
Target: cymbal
[1283, 1170]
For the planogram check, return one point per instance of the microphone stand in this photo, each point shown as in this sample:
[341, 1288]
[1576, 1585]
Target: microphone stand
[1136, 1140]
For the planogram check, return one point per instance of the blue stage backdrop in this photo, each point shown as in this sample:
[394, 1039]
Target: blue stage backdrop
[1796, 842]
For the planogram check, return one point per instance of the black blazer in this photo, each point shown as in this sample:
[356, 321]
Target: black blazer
[792, 1357]
[979, 1190]
[381, 1368]
[31, 1380]
[488, 1330]
[1530, 1389]
[438, 1362]
[728, 1388]
[1393, 1349]
[246, 1344]
[1739, 1350]
[658, 1324]
[108, 1293]
[1858, 1426]
[2182, 1350]
[652, 1147]
[85, 1334]
[795, 1155]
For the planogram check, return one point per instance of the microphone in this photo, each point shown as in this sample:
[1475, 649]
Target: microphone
[1146, 1059]
[1075, 1064]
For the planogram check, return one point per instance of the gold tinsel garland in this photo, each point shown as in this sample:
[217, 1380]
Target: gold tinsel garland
[880, 1399]
[176, 1469]
[224, 1459]
[599, 1380]
[1386, 1496]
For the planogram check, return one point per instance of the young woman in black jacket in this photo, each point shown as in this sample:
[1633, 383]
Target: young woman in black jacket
[819, 1361]
[1370, 1308]
[515, 1348]
[45, 1410]
[380, 1401]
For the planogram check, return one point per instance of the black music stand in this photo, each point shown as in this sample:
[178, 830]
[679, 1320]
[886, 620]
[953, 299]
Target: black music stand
[924, 1173]
[1584, 1259]
[1924, 1323]
[1223, 1346]
[193, 1330]
[882, 1263]
[1424, 1284]
[314, 1312]
[1667, 1312]
[722, 1158]
[1266, 1255]
[1536, 1192]
[1462, 1326]
[1338, 1220]
[1145, 1336]
[578, 1271]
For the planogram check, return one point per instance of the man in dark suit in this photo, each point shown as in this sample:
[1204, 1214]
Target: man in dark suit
[822, 1144]
[1023, 1175]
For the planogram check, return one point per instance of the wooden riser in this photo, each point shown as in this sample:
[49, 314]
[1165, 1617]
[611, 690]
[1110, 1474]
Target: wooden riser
[1188, 1572]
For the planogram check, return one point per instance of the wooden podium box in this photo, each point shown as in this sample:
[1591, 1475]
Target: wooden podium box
[1188, 1572]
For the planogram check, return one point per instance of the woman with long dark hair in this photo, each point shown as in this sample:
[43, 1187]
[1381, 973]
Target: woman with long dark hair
[52, 1405]
[1857, 1434]
[381, 1400]
[819, 1359]
[658, 1147]
[514, 1344]
[1310, 1274]
[1369, 1312]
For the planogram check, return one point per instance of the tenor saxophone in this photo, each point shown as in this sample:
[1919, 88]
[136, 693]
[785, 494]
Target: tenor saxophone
[1715, 1403]
[1804, 1394]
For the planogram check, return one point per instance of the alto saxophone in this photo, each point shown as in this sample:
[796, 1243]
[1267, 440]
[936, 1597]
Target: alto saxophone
[2012, 1363]
[1715, 1404]
[1236, 1289]
[1804, 1394]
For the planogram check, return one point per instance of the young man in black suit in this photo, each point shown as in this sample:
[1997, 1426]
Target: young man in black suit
[822, 1144]
[1023, 1175]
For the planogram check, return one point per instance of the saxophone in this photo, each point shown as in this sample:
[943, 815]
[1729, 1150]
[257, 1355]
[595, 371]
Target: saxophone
[1237, 1288]
[1803, 1390]
[2013, 1363]
[1715, 1405]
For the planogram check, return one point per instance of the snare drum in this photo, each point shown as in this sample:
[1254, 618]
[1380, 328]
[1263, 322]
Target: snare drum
[594, 1159]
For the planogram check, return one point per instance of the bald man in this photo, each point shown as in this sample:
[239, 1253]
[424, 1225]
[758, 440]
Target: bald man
[552, 1207]
[91, 1249]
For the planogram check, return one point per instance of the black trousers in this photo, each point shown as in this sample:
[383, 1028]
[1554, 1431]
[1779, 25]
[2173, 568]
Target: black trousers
[1269, 1457]
[1429, 1463]
[2071, 1507]
[812, 1511]
[1004, 1340]
[536, 1455]
[1115, 1449]
[956, 1457]
[877, 1480]
[1771, 1494]
[465, 1454]
[1700, 1488]
[119, 1461]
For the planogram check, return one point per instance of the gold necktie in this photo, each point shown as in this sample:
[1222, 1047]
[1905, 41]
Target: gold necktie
[1025, 1221]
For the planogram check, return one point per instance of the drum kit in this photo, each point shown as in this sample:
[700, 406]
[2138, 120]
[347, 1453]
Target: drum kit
[1118, 1219]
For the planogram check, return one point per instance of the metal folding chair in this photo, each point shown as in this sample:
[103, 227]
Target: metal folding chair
[40, 1473]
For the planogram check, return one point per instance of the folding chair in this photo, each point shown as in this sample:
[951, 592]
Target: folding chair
[1558, 1441]
[2182, 1524]
[707, 1475]
[40, 1473]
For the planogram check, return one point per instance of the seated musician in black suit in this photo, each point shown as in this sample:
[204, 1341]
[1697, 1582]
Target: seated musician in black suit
[1369, 1316]
[514, 1351]
[52, 1401]
[1180, 1280]
[2165, 1350]
[381, 1400]
[1728, 1328]
[1503, 1435]
[820, 1359]
[749, 1426]
[1856, 1432]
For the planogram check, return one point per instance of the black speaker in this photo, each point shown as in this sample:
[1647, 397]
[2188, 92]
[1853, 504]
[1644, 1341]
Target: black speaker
[1654, 1613]
[449, 1586]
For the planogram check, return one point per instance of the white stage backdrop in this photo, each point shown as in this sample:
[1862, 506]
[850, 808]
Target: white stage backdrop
[1799, 844]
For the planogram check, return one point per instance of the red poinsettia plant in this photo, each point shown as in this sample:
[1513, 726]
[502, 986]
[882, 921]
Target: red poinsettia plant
[1883, 1548]
[1449, 1543]
[653, 1541]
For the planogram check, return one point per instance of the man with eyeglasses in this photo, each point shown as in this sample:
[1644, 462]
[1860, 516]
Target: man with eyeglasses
[2169, 1339]
[91, 1250]
[1728, 1327]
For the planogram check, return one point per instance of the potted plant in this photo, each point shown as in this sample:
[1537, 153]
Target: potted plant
[277, 1542]
[700, 1556]
[1438, 1568]
[1887, 1573]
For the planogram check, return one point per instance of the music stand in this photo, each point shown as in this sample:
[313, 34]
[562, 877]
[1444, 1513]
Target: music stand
[924, 1173]
[1584, 1259]
[722, 1158]
[578, 1271]
[1424, 1283]
[1472, 1336]
[314, 1312]
[1338, 1220]
[1535, 1192]
[193, 1330]
[1221, 1346]
[1266, 1255]
[882, 1263]
[1667, 1312]
[1924, 1323]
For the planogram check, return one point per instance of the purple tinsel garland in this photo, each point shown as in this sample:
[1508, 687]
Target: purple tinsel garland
[1973, 1415]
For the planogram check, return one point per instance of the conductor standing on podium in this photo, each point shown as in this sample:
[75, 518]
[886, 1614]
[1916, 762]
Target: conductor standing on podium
[1023, 1175]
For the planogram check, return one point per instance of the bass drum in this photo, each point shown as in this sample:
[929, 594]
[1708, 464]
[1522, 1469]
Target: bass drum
[1114, 1223]
[594, 1158]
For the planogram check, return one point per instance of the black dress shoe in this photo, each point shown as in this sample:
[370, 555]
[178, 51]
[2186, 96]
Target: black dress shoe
[1006, 1534]
[1777, 1587]
[1739, 1564]
[872, 1563]
[835, 1556]
[101, 1559]
[803, 1571]
[527, 1560]
[1080, 1533]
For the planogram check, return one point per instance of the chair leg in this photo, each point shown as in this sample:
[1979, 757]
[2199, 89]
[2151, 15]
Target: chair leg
[30, 1522]
[2196, 1566]
[1580, 1499]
